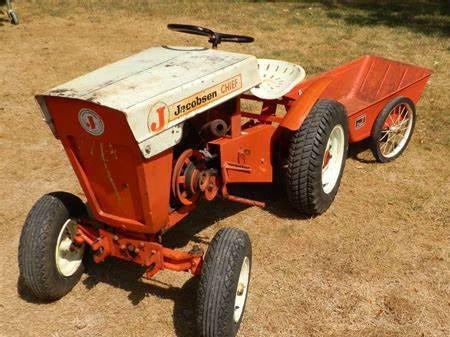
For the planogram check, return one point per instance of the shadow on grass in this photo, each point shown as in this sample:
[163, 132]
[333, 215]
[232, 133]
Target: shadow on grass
[356, 149]
[127, 276]
[431, 17]
[206, 215]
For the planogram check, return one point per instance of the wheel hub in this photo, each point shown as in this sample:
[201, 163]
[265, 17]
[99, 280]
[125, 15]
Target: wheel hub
[241, 291]
[68, 256]
[333, 158]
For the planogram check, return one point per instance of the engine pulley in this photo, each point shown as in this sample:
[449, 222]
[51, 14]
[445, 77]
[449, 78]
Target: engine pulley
[191, 178]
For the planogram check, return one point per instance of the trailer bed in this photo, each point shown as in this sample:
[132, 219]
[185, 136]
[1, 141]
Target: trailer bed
[364, 86]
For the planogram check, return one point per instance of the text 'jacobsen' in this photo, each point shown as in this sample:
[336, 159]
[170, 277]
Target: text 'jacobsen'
[204, 97]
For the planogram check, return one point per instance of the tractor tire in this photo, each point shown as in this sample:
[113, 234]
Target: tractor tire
[391, 135]
[13, 17]
[316, 158]
[50, 266]
[224, 282]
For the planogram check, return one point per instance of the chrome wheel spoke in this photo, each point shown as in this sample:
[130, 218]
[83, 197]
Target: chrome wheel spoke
[386, 133]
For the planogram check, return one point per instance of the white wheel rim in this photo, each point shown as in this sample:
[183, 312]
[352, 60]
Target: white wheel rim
[396, 130]
[241, 291]
[68, 257]
[333, 158]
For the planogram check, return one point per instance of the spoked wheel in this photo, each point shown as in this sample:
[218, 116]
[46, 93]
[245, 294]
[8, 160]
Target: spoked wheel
[224, 283]
[316, 158]
[50, 263]
[393, 129]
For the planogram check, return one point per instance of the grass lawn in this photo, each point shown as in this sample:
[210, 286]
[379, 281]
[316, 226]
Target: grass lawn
[376, 264]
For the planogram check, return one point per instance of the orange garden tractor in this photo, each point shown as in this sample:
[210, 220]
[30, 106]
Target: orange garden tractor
[151, 136]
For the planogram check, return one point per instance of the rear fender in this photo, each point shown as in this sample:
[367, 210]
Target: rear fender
[299, 110]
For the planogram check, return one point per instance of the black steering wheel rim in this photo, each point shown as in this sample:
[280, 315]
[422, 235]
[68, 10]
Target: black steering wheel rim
[215, 38]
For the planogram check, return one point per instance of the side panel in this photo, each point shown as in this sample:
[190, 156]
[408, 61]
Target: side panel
[359, 130]
[247, 158]
[161, 114]
[123, 189]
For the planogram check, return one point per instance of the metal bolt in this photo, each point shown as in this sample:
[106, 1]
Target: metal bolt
[240, 289]
[99, 251]
[131, 248]
[115, 238]
[148, 149]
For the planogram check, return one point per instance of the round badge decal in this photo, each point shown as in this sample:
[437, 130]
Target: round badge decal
[91, 122]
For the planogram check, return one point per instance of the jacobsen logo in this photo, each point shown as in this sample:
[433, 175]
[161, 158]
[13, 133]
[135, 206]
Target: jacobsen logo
[198, 101]
[91, 122]
[202, 98]
[160, 114]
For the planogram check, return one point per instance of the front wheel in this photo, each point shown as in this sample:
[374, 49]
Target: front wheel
[224, 283]
[50, 263]
[13, 17]
[316, 158]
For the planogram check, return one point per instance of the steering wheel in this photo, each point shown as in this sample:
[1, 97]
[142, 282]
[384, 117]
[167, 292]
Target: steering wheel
[215, 38]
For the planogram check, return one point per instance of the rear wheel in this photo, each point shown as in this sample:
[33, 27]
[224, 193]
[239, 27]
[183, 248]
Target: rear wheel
[50, 264]
[224, 284]
[393, 129]
[316, 158]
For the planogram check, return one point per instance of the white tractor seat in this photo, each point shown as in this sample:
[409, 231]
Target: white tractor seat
[278, 78]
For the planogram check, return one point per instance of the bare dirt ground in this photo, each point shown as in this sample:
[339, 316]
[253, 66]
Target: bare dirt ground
[377, 263]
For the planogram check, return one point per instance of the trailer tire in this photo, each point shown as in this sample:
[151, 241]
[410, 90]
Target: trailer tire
[310, 187]
[224, 281]
[378, 144]
[47, 228]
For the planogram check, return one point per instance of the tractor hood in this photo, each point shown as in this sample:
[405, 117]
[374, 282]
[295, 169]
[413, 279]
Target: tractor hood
[158, 88]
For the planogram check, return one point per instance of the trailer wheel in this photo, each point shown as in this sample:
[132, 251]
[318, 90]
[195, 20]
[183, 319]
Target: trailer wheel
[393, 129]
[224, 282]
[316, 158]
[49, 264]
